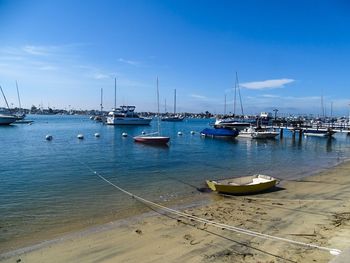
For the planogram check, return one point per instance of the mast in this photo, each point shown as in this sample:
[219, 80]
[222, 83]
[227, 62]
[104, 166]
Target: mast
[225, 106]
[5, 98]
[174, 101]
[165, 105]
[158, 107]
[101, 100]
[239, 93]
[19, 99]
[115, 93]
[234, 100]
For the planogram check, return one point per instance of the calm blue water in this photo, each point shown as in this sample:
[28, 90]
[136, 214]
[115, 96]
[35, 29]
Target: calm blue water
[45, 187]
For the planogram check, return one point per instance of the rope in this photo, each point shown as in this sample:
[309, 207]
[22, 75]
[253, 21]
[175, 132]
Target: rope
[332, 251]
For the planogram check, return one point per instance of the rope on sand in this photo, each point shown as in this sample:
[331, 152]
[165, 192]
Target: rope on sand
[332, 251]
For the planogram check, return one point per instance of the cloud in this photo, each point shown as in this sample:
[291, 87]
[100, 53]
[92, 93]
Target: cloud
[130, 62]
[199, 97]
[270, 96]
[267, 84]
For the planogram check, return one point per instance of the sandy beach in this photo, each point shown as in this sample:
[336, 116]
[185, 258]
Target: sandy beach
[314, 210]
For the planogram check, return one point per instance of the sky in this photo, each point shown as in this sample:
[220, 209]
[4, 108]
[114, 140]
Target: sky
[288, 55]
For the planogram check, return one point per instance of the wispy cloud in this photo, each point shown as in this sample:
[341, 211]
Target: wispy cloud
[270, 96]
[267, 84]
[199, 97]
[130, 62]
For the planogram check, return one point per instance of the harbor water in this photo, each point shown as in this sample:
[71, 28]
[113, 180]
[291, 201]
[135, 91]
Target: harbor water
[49, 187]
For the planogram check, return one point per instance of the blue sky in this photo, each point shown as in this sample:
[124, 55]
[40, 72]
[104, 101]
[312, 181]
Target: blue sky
[287, 54]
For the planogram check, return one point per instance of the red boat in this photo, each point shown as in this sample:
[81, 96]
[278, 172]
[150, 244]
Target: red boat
[152, 139]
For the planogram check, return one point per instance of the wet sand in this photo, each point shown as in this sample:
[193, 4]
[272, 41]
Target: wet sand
[312, 210]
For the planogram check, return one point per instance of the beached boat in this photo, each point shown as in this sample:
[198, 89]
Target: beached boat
[319, 132]
[243, 185]
[258, 133]
[220, 132]
[151, 138]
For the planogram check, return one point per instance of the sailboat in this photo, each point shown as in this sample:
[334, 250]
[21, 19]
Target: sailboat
[174, 117]
[7, 118]
[153, 138]
[237, 123]
[20, 114]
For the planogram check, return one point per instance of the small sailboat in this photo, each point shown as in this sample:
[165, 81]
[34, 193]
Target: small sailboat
[153, 138]
[243, 185]
[7, 118]
[174, 117]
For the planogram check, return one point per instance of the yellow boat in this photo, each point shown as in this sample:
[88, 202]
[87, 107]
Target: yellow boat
[243, 185]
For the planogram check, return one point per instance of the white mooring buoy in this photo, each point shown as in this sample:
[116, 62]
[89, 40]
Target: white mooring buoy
[193, 132]
[80, 136]
[179, 133]
[97, 135]
[48, 137]
[143, 132]
[124, 134]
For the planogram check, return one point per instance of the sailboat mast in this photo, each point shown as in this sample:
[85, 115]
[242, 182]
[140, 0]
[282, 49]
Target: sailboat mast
[19, 99]
[239, 93]
[234, 100]
[225, 106]
[158, 107]
[174, 101]
[115, 93]
[5, 98]
[101, 100]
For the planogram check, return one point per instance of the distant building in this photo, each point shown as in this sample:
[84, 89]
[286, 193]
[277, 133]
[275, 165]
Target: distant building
[265, 115]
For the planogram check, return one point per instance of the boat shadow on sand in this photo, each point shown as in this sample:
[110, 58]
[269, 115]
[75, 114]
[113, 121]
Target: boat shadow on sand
[270, 190]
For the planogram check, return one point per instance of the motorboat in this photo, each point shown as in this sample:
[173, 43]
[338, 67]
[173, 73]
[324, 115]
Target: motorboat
[258, 133]
[125, 115]
[243, 185]
[319, 132]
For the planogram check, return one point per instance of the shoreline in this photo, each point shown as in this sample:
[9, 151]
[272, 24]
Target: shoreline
[291, 211]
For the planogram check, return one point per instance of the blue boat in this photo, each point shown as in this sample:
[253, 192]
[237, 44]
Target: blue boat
[219, 132]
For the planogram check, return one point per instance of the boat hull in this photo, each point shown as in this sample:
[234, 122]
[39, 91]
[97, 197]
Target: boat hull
[155, 140]
[243, 185]
[128, 121]
[319, 133]
[172, 119]
[7, 119]
[220, 132]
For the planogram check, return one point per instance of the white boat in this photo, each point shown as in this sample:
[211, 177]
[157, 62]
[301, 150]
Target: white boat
[6, 119]
[125, 115]
[258, 133]
[233, 123]
[319, 132]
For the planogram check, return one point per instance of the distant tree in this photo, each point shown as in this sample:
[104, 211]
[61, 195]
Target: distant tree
[33, 108]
